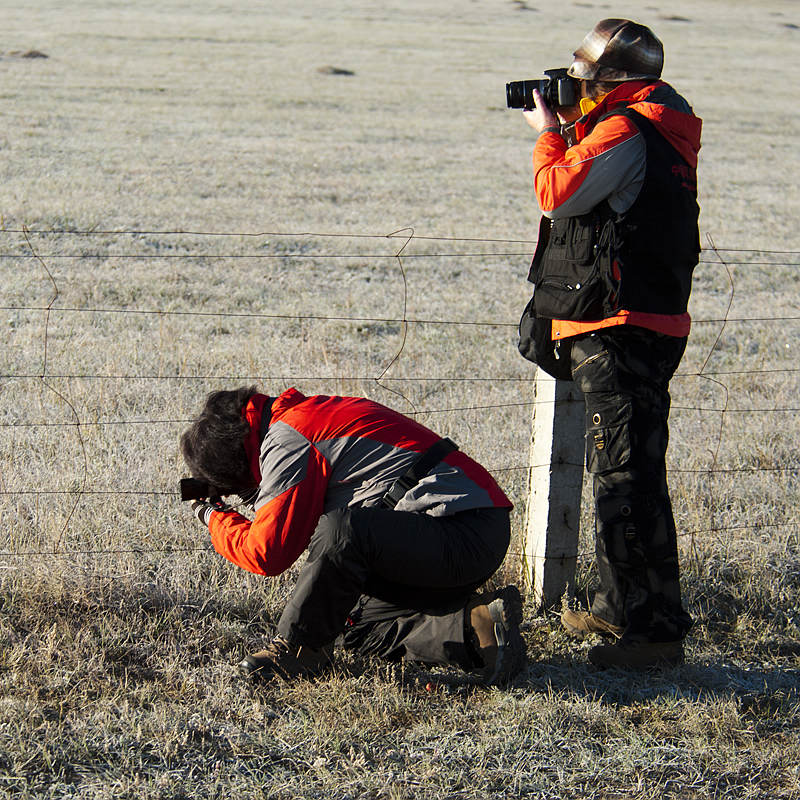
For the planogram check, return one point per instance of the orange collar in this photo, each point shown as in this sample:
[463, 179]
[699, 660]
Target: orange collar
[626, 93]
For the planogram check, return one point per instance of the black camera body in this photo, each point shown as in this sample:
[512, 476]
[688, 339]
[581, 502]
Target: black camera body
[558, 90]
[194, 489]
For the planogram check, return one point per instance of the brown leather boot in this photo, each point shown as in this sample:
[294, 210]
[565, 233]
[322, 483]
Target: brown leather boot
[286, 661]
[581, 623]
[495, 618]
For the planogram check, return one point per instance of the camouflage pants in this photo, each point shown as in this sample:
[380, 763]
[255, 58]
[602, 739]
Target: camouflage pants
[624, 375]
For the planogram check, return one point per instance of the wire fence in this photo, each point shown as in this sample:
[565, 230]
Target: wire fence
[29, 252]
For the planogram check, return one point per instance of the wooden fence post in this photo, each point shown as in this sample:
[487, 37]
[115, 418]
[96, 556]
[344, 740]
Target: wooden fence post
[552, 516]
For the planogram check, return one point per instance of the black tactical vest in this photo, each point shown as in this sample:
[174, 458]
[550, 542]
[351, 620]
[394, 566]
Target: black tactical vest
[591, 266]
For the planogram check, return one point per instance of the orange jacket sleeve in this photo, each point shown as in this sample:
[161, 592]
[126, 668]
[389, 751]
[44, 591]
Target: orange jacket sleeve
[572, 180]
[281, 529]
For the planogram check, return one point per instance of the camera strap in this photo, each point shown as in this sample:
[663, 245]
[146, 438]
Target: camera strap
[417, 471]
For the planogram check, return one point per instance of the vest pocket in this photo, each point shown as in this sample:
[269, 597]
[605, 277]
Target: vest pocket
[567, 279]
[577, 296]
[608, 431]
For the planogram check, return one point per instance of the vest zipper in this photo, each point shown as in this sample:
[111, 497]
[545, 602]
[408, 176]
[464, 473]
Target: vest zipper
[560, 284]
[589, 360]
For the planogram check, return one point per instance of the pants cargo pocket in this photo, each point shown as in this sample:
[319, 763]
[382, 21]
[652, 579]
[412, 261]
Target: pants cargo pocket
[608, 431]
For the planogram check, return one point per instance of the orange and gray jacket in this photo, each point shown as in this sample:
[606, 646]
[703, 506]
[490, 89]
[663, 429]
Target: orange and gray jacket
[619, 236]
[315, 454]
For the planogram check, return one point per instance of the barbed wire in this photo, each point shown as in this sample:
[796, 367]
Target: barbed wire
[314, 256]
[50, 309]
[319, 234]
[174, 494]
[419, 412]
[348, 378]
[143, 551]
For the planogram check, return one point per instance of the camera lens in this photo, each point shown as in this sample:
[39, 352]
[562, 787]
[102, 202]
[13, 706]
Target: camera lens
[519, 94]
[514, 94]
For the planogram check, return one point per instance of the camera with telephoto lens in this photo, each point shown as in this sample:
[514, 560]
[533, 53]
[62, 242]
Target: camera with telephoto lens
[558, 90]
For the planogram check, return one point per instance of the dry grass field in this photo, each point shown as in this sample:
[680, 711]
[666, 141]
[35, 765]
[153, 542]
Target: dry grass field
[333, 196]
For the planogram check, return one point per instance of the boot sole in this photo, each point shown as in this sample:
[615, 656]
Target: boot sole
[506, 611]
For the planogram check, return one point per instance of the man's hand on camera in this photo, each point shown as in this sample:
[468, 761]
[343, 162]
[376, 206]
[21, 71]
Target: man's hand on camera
[541, 116]
[203, 508]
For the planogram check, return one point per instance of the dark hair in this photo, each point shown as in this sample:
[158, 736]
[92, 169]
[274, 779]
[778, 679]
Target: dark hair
[213, 447]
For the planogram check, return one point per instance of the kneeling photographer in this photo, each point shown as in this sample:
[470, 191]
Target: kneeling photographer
[615, 177]
[401, 530]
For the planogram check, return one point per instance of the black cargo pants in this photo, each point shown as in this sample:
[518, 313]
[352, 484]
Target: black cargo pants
[624, 375]
[395, 583]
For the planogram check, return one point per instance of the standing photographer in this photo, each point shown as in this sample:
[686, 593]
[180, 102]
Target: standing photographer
[401, 529]
[615, 177]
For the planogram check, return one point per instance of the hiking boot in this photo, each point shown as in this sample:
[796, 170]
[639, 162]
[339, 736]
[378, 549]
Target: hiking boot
[581, 623]
[637, 655]
[495, 618]
[286, 661]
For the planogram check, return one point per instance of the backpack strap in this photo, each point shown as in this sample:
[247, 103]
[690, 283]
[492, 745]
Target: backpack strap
[417, 471]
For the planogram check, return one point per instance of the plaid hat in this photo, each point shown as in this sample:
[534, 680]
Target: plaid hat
[618, 50]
